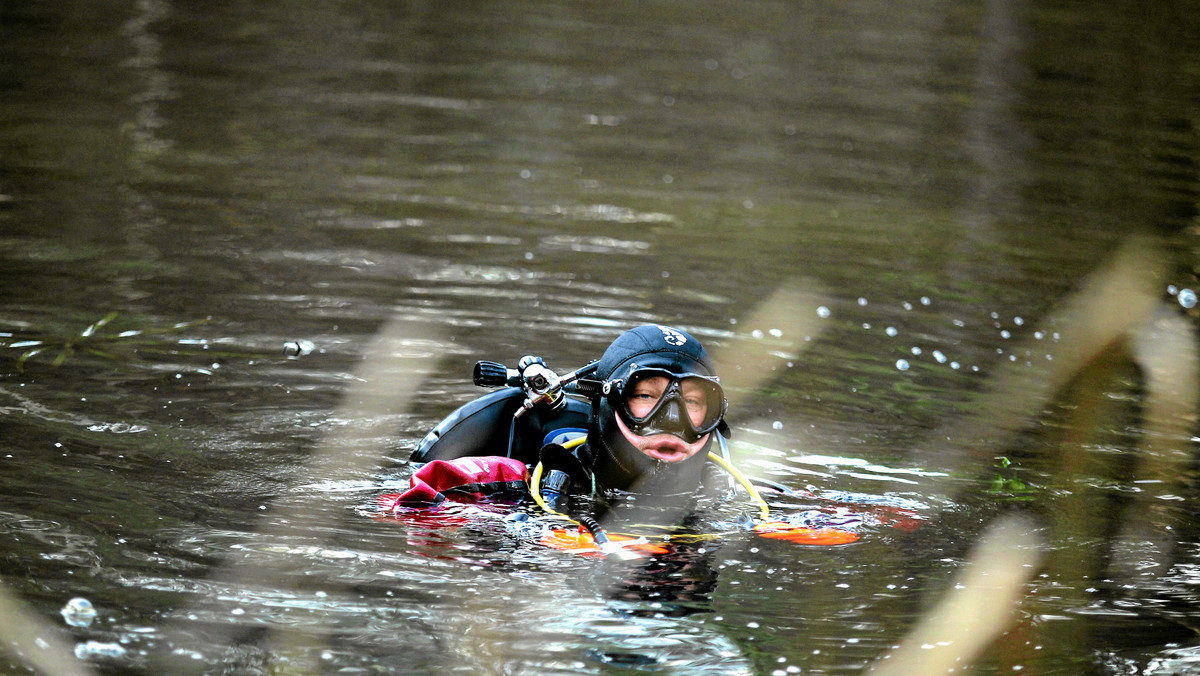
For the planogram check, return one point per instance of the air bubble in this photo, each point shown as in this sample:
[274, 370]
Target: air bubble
[79, 612]
[823, 312]
[298, 348]
[891, 331]
[1187, 298]
[777, 425]
[92, 649]
[941, 358]
[862, 302]
[902, 364]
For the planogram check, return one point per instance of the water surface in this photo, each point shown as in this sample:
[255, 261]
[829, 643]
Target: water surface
[511, 178]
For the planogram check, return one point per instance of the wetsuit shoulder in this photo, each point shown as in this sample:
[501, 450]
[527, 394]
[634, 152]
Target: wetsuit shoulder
[479, 427]
[485, 426]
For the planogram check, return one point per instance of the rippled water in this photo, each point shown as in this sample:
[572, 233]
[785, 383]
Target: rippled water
[512, 178]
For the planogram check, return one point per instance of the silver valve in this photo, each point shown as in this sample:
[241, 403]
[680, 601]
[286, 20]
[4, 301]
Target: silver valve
[538, 378]
[541, 385]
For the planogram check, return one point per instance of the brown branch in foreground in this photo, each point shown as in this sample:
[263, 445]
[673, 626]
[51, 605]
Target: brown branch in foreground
[976, 608]
[35, 642]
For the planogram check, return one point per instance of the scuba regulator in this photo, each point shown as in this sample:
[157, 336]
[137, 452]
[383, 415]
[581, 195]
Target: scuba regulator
[540, 384]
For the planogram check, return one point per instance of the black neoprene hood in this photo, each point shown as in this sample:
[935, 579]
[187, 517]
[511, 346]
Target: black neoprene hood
[654, 346]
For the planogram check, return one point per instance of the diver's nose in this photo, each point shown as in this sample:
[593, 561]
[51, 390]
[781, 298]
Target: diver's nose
[671, 418]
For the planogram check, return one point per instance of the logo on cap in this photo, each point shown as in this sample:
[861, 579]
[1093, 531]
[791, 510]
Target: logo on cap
[672, 336]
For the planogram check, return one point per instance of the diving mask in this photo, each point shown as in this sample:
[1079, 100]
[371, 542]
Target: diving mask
[655, 401]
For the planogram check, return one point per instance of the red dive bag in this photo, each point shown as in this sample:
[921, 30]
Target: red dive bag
[470, 478]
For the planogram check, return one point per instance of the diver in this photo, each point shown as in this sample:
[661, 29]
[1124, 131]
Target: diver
[636, 438]
[643, 419]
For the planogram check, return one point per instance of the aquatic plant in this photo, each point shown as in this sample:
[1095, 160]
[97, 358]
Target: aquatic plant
[1006, 484]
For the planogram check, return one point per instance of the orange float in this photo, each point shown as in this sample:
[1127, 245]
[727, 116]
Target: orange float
[581, 542]
[779, 530]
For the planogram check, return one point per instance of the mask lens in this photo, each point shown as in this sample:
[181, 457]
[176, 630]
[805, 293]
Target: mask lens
[665, 401]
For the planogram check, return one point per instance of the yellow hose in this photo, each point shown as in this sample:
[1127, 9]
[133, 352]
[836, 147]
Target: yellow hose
[535, 489]
[763, 510]
[536, 480]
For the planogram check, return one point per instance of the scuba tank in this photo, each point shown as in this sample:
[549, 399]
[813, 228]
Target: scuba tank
[532, 406]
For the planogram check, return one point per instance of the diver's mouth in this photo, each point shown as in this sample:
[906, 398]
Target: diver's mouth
[662, 447]
[668, 449]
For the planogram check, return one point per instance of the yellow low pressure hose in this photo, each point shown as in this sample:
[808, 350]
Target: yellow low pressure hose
[763, 510]
[536, 479]
[577, 441]
[535, 489]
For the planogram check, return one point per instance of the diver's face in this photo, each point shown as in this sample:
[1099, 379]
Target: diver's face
[646, 392]
[642, 398]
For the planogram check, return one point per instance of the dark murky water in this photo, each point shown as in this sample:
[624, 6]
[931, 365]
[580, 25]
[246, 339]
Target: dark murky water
[529, 178]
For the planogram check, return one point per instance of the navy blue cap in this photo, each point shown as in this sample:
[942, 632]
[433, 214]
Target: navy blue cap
[654, 346]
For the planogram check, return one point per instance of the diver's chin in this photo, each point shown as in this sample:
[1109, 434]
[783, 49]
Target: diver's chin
[666, 448]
